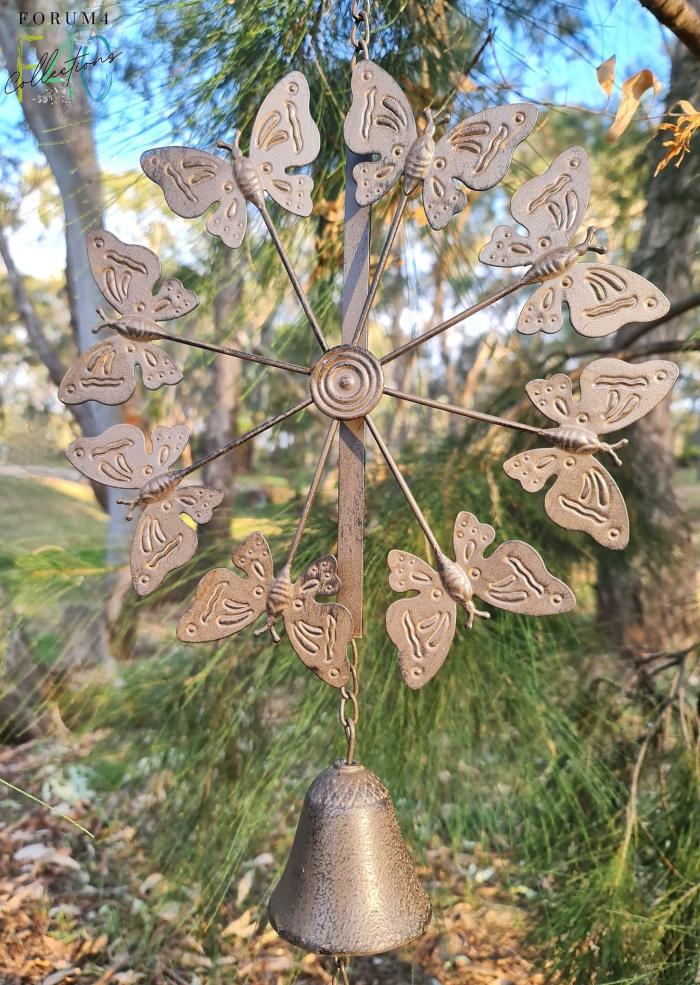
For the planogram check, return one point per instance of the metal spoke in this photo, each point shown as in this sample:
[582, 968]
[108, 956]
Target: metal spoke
[313, 489]
[475, 415]
[388, 243]
[241, 440]
[403, 485]
[294, 280]
[455, 320]
[225, 350]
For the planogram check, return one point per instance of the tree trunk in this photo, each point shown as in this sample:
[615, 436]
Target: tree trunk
[64, 132]
[648, 596]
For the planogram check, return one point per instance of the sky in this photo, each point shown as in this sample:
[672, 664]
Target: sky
[127, 123]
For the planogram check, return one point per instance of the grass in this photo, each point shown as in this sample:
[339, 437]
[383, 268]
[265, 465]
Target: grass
[511, 746]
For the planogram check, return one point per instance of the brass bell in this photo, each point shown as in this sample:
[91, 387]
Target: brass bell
[349, 886]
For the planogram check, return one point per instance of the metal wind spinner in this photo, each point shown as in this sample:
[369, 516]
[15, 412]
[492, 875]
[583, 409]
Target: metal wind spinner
[386, 146]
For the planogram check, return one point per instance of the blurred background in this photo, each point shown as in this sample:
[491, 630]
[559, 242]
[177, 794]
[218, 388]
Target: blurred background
[546, 781]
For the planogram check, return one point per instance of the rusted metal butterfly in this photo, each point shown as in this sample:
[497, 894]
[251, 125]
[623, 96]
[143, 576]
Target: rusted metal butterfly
[126, 276]
[225, 604]
[601, 297]
[119, 457]
[477, 152]
[284, 136]
[514, 578]
[614, 394]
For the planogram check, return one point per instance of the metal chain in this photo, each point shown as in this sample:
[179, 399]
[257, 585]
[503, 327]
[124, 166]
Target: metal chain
[351, 693]
[340, 976]
[360, 34]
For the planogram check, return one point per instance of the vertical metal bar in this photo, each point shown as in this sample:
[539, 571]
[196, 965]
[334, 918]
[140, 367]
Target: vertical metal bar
[351, 448]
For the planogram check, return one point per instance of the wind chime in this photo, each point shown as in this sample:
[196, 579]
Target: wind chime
[375, 902]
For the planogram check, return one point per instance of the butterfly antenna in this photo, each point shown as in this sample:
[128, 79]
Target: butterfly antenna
[131, 503]
[610, 449]
[104, 321]
[588, 246]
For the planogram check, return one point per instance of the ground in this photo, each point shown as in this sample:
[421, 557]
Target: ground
[90, 910]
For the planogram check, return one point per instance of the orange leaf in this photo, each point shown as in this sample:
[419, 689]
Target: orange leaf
[632, 91]
[606, 75]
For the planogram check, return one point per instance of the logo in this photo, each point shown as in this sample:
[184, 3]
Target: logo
[85, 58]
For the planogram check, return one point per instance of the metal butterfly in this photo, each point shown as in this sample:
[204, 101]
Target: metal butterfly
[614, 394]
[284, 136]
[225, 604]
[126, 276]
[514, 578]
[476, 152]
[120, 458]
[601, 297]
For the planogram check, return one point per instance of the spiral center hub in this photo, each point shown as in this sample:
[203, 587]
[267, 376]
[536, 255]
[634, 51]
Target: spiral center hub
[346, 382]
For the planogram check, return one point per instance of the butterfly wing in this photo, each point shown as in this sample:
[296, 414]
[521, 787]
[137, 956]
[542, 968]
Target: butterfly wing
[551, 207]
[421, 627]
[105, 373]
[542, 312]
[615, 393]
[602, 298]
[286, 136]
[157, 368]
[532, 469]
[192, 181]
[380, 122]
[163, 541]
[125, 274]
[119, 457]
[320, 632]
[586, 497]
[173, 300]
[477, 153]
[224, 602]
[553, 397]
[470, 539]
[515, 578]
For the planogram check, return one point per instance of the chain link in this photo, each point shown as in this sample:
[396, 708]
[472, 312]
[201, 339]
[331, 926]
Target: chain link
[350, 693]
[360, 34]
[340, 975]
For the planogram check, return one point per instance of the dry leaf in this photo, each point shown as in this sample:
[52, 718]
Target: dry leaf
[606, 75]
[632, 91]
[245, 884]
[682, 130]
[243, 927]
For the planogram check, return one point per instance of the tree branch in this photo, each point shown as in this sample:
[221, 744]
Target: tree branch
[31, 321]
[27, 313]
[680, 17]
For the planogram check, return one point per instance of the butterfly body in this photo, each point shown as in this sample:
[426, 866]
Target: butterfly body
[280, 595]
[420, 156]
[555, 263]
[246, 173]
[459, 588]
[581, 441]
[135, 327]
[157, 488]
[600, 298]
